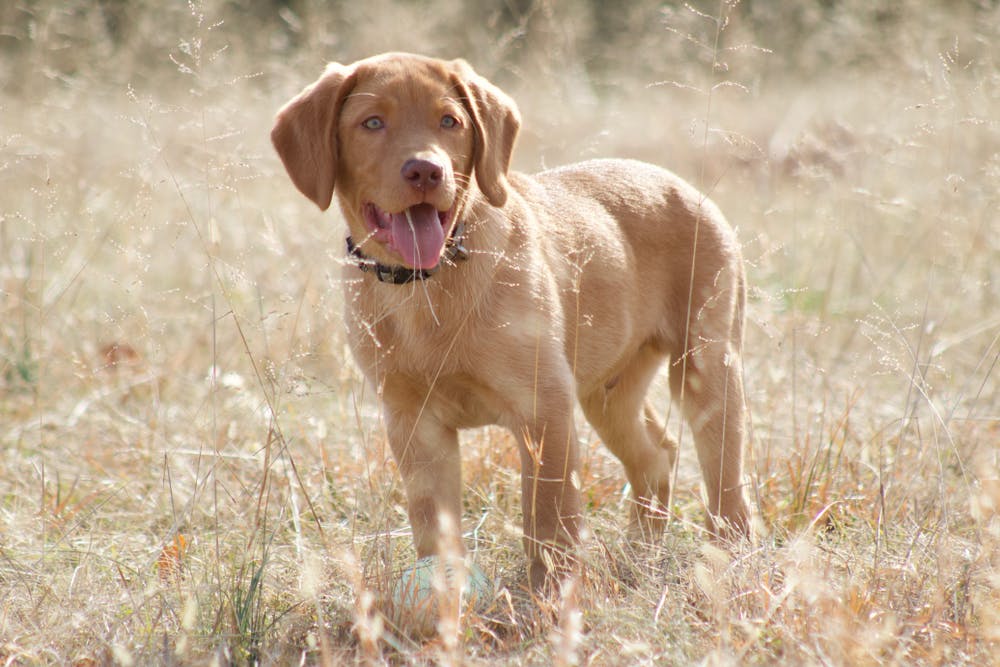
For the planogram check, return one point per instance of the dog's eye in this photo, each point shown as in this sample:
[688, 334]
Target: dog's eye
[373, 123]
[448, 122]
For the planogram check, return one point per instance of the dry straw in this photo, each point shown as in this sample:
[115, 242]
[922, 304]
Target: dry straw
[193, 471]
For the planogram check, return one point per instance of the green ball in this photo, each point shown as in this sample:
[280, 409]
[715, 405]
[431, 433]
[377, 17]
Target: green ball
[418, 591]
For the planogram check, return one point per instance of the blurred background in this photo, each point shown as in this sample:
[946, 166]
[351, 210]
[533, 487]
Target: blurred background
[174, 377]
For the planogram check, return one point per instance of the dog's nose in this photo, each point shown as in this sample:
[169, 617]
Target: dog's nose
[423, 175]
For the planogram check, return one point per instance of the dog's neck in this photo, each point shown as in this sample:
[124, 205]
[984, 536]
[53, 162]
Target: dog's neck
[401, 275]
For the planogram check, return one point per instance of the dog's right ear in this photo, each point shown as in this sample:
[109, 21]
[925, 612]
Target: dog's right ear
[305, 134]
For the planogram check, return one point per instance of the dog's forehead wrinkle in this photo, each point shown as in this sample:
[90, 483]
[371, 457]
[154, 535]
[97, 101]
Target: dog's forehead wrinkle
[427, 81]
[454, 104]
[455, 93]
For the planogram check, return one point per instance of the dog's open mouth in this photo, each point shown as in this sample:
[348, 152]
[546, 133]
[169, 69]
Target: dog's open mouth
[416, 234]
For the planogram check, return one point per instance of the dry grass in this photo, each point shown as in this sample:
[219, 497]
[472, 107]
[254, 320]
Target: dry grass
[192, 470]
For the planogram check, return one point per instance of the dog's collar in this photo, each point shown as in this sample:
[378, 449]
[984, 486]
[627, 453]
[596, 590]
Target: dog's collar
[400, 275]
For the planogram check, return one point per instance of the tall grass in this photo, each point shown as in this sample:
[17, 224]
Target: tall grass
[192, 469]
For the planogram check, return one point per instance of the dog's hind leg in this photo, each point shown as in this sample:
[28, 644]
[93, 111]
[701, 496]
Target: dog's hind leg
[635, 434]
[707, 382]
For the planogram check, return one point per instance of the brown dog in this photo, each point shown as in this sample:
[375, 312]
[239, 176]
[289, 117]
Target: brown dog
[491, 297]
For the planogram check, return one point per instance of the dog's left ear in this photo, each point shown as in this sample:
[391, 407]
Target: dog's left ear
[305, 134]
[496, 121]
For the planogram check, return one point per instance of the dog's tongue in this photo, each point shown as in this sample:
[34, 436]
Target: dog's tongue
[418, 236]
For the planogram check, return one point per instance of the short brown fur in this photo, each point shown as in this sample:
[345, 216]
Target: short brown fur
[581, 282]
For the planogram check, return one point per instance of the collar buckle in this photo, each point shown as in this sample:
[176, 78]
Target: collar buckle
[454, 249]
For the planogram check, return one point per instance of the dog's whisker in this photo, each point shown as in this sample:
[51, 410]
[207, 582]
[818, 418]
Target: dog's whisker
[367, 238]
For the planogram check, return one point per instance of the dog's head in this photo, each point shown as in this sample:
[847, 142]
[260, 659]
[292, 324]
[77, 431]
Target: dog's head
[399, 137]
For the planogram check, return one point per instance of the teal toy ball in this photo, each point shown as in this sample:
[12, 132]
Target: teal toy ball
[432, 585]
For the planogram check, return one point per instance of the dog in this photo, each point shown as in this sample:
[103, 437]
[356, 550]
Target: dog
[476, 295]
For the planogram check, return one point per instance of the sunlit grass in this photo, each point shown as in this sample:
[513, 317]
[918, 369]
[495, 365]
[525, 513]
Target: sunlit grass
[193, 470]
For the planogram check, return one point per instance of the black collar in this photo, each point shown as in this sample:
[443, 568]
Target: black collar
[400, 275]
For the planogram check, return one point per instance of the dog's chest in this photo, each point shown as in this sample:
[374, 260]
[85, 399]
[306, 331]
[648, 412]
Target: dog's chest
[464, 363]
[437, 374]
[412, 339]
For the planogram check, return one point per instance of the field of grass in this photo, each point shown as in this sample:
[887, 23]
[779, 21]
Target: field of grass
[192, 470]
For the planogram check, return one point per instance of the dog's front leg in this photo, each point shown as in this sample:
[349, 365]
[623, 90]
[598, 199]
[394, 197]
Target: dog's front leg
[550, 489]
[429, 462]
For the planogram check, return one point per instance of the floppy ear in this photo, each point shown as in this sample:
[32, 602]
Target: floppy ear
[496, 121]
[305, 134]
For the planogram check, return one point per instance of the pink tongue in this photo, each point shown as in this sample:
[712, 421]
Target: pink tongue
[419, 244]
